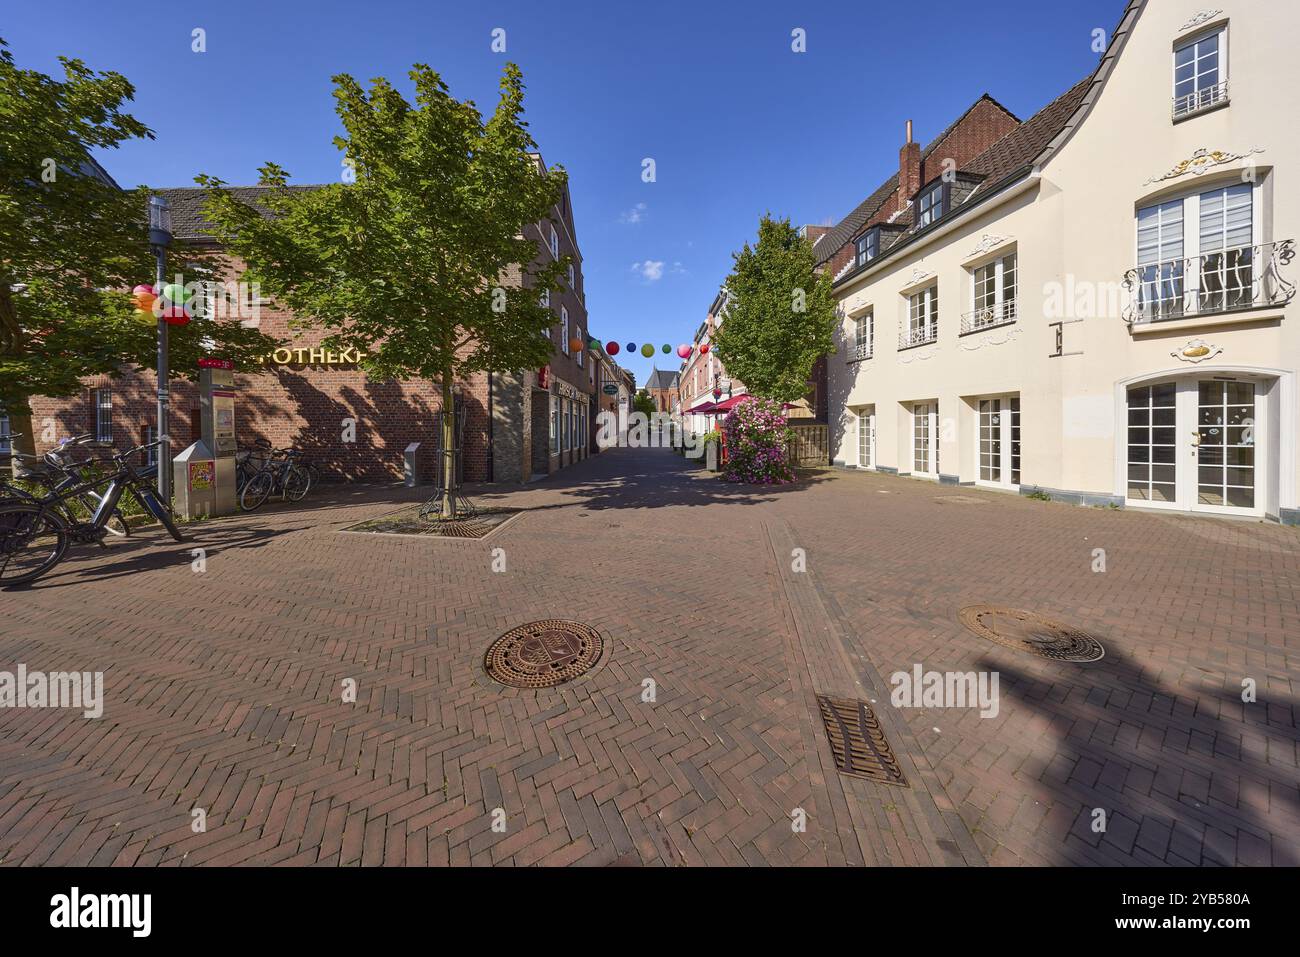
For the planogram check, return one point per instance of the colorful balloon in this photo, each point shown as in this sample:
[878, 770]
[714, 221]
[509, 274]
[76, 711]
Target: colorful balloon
[684, 351]
[146, 315]
[175, 292]
[144, 300]
[631, 347]
[667, 348]
[704, 349]
[612, 348]
[176, 315]
[647, 350]
[575, 344]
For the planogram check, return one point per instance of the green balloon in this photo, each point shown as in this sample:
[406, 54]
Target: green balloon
[175, 292]
[667, 349]
[647, 350]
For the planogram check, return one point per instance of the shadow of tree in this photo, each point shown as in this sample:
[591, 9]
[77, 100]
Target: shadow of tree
[1178, 784]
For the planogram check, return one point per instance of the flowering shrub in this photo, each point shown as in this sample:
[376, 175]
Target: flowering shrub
[756, 444]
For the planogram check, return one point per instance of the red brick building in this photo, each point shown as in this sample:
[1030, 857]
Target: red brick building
[515, 425]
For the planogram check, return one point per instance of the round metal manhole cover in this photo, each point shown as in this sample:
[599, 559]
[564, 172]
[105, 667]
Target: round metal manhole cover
[543, 654]
[1026, 631]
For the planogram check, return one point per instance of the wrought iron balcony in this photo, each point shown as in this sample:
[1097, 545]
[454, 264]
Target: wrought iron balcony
[1199, 100]
[861, 350]
[920, 336]
[986, 317]
[1229, 280]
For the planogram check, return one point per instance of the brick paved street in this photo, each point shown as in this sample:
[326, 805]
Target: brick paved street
[223, 689]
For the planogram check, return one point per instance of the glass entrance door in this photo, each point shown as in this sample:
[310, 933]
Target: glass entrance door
[1225, 444]
[867, 437]
[1192, 445]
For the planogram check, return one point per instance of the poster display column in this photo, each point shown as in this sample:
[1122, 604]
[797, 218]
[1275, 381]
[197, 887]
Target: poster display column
[217, 396]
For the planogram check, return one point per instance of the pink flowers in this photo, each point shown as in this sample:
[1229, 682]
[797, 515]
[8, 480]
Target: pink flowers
[756, 444]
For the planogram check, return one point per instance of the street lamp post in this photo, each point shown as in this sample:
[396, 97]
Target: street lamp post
[160, 237]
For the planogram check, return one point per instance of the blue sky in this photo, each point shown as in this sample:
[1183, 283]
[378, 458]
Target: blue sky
[737, 123]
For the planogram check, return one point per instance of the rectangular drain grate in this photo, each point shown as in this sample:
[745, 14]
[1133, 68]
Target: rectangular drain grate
[858, 742]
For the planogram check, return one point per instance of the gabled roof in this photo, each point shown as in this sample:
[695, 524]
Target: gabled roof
[1010, 158]
[186, 203]
[661, 379]
[830, 243]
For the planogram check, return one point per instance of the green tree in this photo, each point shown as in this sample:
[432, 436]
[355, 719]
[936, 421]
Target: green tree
[642, 403]
[408, 259]
[781, 316]
[72, 244]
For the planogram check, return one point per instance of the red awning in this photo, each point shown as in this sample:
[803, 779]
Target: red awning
[726, 405]
[702, 409]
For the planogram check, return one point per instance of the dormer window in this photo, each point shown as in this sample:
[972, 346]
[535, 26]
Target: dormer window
[930, 205]
[868, 245]
[1201, 73]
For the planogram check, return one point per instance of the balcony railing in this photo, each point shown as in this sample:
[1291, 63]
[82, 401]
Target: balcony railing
[1201, 99]
[1244, 277]
[919, 336]
[986, 317]
[861, 350]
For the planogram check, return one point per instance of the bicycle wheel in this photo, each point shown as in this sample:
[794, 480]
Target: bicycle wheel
[256, 491]
[32, 541]
[297, 483]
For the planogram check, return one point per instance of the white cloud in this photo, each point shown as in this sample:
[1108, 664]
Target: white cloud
[652, 270]
[634, 215]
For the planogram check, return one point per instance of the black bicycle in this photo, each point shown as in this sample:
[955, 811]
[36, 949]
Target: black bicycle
[57, 471]
[280, 473]
[35, 535]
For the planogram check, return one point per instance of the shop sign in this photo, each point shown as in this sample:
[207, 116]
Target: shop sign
[314, 357]
[610, 389]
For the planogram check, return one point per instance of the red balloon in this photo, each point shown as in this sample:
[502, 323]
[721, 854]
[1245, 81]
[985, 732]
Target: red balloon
[704, 348]
[612, 348]
[175, 316]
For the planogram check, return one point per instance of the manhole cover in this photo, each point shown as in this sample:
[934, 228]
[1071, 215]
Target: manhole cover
[858, 742]
[543, 654]
[1026, 631]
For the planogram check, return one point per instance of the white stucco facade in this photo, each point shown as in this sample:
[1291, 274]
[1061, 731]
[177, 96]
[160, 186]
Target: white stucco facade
[1176, 391]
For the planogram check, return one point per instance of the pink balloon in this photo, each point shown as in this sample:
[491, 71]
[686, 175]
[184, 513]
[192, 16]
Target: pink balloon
[141, 290]
[684, 351]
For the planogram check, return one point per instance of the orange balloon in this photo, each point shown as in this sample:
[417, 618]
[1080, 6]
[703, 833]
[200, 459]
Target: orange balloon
[144, 301]
[575, 345]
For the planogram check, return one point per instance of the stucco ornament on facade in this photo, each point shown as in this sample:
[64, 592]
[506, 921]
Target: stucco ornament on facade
[919, 275]
[1202, 17]
[987, 242]
[1196, 350]
[980, 342]
[1202, 161]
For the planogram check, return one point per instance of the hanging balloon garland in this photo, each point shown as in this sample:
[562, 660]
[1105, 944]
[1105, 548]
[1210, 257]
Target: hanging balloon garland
[169, 305]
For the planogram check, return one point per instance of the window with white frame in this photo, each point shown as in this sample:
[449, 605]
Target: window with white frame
[867, 437]
[930, 205]
[564, 330]
[555, 243]
[922, 317]
[993, 291]
[1199, 254]
[104, 415]
[577, 334]
[1201, 73]
[999, 440]
[555, 425]
[867, 246]
[864, 331]
[925, 439]
[572, 285]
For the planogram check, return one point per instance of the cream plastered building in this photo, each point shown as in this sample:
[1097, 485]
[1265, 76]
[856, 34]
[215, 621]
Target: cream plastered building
[1100, 306]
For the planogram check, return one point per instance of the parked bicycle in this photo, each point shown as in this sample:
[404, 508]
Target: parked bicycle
[281, 473]
[35, 535]
[57, 471]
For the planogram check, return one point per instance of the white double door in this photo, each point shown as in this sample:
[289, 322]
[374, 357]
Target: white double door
[1194, 444]
[867, 437]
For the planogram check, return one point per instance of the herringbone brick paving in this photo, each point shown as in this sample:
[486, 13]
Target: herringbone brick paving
[223, 688]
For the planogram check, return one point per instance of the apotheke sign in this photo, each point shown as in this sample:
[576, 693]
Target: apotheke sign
[314, 357]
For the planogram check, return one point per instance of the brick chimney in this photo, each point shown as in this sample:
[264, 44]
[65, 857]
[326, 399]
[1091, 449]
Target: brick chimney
[814, 233]
[909, 169]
